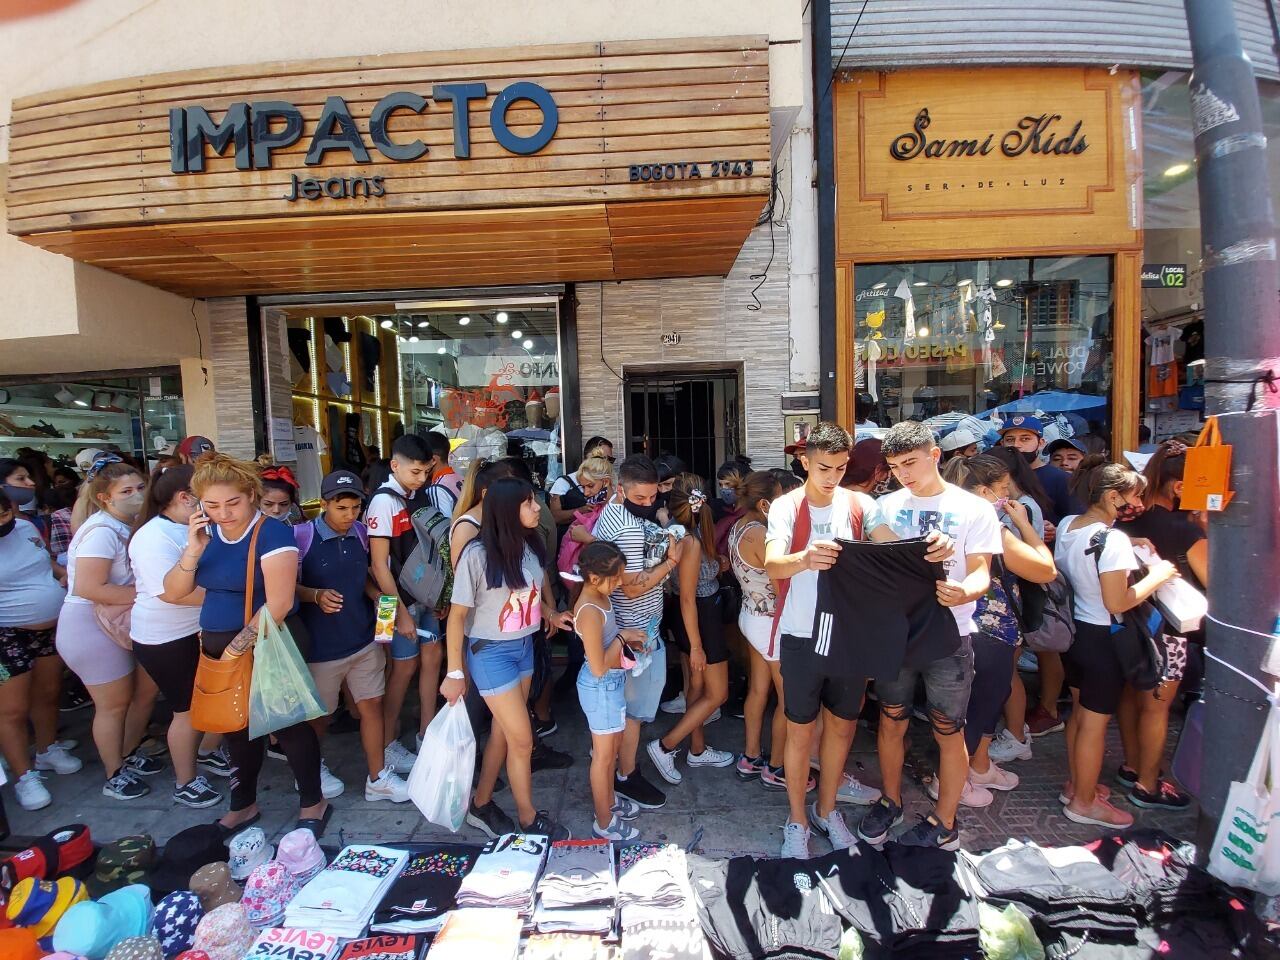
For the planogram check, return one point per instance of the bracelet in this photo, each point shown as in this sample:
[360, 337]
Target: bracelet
[455, 675]
[185, 570]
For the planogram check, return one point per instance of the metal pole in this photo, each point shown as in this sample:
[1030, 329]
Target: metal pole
[825, 161]
[1242, 337]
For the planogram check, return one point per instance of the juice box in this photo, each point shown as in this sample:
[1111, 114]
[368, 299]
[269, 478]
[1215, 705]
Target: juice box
[384, 627]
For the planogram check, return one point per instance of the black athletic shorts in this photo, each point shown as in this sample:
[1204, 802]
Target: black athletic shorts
[172, 666]
[710, 627]
[807, 685]
[1093, 668]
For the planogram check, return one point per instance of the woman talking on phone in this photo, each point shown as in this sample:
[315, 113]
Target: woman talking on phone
[230, 542]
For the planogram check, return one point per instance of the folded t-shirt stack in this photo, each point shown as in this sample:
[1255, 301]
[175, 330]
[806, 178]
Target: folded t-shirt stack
[425, 890]
[578, 890]
[482, 934]
[659, 912]
[342, 897]
[506, 873]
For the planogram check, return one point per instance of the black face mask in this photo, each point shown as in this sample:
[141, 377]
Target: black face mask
[643, 513]
[1128, 511]
[663, 499]
[1031, 457]
[7, 528]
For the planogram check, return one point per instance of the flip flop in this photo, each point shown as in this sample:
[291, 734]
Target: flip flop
[316, 824]
[228, 832]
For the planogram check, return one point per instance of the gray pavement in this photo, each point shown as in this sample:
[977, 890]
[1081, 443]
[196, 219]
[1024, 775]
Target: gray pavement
[726, 817]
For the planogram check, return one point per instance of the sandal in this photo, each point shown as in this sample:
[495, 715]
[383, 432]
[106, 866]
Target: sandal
[228, 832]
[316, 824]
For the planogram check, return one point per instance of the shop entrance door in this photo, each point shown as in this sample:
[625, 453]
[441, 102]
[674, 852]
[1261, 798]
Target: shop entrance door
[695, 416]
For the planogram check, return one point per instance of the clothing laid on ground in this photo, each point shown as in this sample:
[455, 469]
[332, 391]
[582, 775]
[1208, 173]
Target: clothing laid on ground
[29, 594]
[658, 909]
[425, 890]
[506, 873]
[338, 562]
[471, 934]
[153, 551]
[578, 890]
[967, 518]
[222, 572]
[1071, 554]
[341, 898]
[503, 612]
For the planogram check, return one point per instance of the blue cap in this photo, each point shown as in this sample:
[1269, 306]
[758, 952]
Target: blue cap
[1022, 421]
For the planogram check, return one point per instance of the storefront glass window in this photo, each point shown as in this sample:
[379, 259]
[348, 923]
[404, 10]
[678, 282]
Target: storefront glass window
[943, 340]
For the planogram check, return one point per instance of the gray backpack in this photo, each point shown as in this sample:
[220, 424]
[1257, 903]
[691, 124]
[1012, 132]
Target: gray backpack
[1057, 629]
[426, 574]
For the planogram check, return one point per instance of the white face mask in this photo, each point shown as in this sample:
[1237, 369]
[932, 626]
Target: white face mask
[130, 505]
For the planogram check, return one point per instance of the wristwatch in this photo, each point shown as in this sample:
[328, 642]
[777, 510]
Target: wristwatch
[455, 675]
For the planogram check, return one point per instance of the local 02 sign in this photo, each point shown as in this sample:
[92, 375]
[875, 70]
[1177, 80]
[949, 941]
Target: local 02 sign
[255, 131]
[1164, 275]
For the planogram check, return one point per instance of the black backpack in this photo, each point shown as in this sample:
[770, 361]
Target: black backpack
[1137, 633]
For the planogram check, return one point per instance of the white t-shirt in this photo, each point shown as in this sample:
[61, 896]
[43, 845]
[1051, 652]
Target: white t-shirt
[104, 537]
[309, 446]
[826, 523]
[964, 516]
[1070, 552]
[154, 550]
[28, 592]
[564, 484]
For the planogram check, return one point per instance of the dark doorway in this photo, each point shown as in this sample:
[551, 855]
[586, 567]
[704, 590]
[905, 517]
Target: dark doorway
[694, 416]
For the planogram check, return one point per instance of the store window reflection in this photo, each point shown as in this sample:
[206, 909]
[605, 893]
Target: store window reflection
[940, 341]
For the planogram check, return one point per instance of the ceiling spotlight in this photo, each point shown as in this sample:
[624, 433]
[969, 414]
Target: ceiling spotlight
[1006, 282]
[922, 331]
[528, 344]
[414, 338]
[921, 283]
[517, 334]
[964, 283]
[502, 317]
[83, 398]
[463, 321]
[441, 350]
[387, 324]
[1177, 170]
[423, 324]
[399, 339]
[880, 286]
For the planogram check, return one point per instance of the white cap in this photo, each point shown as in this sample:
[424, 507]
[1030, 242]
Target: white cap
[85, 458]
[958, 439]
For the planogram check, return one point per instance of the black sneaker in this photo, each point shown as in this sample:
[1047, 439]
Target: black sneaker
[1165, 797]
[143, 766]
[491, 820]
[929, 832]
[639, 791]
[544, 728]
[73, 700]
[543, 824]
[544, 758]
[880, 819]
[125, 786]
[215, 764]
[1127, 777]
[197, 794]
[153, 747]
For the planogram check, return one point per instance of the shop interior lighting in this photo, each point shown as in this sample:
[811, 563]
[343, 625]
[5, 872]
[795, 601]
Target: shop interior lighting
[442, 350]
[922, 331]
[464, 321]
[387, 324]
[423, 324]
[1005, 282]
[921, 283]
[502, 316]
[517, 334]
[1177, 170]
[964, 283]
[880, 286]
[64, 396]
[413, 338]
[83, 398]
[528, 344]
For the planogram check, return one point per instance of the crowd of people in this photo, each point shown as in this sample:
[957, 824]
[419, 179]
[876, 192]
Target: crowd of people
[120, 582]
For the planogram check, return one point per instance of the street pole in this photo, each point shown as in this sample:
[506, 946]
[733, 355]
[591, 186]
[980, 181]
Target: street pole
[1242, 339]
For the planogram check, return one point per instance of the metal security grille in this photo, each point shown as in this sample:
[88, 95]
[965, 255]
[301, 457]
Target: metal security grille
[694, 417]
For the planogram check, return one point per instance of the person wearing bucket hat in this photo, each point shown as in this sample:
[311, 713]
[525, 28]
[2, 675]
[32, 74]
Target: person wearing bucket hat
[92, 927]
[19, 943]
[212, 883]
[249, 849]
[174, 923]
[122, 862]
[266, 894]
[137, 948]
[301, 855]
[225, 933]
[40, 904]
[185, 853]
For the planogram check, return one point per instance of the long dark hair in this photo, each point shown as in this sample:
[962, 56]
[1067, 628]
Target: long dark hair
[164, 486]
[1163, 470]
[1097, 475]
[504, 537]
[1024, 477]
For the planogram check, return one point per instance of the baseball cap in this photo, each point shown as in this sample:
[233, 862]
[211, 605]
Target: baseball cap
[1066, 442]
[194, 446]
[957, 439]
[340, 481]
[85, 458]
[1022, 421]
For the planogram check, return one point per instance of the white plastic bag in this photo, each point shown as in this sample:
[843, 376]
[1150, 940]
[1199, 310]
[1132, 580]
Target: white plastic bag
[1182, 605]
[1246, 848]
[440, 781]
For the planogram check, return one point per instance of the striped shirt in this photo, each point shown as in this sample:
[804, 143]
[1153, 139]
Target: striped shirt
[638, 540]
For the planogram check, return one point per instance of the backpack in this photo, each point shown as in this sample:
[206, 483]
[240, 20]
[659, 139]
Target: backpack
[304, 535]
[1138, 634]
[1055, 630]
[426, 574]
[567, 557]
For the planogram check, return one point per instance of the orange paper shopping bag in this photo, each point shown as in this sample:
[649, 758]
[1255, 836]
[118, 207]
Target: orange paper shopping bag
[1206, 479]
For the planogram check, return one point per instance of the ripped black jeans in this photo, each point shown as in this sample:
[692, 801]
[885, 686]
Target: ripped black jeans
[947, 682]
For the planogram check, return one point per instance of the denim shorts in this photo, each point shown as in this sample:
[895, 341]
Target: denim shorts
[404, 648]
[644, 692]
[603, 699]
[947, 683]
[499, 665]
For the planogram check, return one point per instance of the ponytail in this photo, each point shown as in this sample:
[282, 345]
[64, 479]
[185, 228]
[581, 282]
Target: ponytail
[1165, 468]
[1097, 475]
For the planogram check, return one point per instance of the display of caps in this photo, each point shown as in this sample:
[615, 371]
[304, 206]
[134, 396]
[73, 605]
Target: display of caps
[185, 853]
[212, 883]
[122, 862]
[267, 892]
[61, 851]
[137, 948]
[249, 849]
[224, 934]
[40, 904]
[174, 922]
[300, 852]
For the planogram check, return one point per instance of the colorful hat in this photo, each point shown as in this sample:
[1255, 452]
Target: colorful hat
[1022, 421]
[185, 853]
[60, 955]
[91, 928]
[136, 948]
[212, 883]
[224, 934]
[249, 849]
[192, 955]
[193, 446]
[267, 892]
[19, 943]
[61, 851]
[121, 863]
[300, 852]
[175, 921]
[40, 904]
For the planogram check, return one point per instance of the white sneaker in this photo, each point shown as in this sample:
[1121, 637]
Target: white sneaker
[1006, 747]
[994, 779]
[665, 762]
[971, 796]
[618, 831]
[795, 841]
[330, 785]
[852, 790]
[832, 827]
[32, 794]
[398, 758]
[710, 757]
[388, 786]
[674, 705]
[58, 760]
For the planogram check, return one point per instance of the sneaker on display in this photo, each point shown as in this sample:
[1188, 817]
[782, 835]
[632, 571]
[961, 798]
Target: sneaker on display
[832, 827]
[639, 791]
[625, 809]
[674, 705]
[398, 758]
[31, 791]
[929, 832]
[795, 841]
[388, 786]
[618, 831]
[971, 796]
[197, 794]
[58, 760]
[853, 790]
[710, 757]
[664, 762]
[996, 778]
[543, 824]
[749, 768]
[883, 816]
[125, 786]
[491, 820]
[216, 764]
[1005, 747]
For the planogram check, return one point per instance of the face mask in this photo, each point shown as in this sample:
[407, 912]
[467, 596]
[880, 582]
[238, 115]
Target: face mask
[131, 505]
[1128, 511]
[663, 499]
[1031, 457]
[22, 497]
[642, 513]
[730, 497]
[7, 528]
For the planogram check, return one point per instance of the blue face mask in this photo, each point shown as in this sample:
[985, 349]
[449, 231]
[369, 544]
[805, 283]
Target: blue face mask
[22, 497]
[729, 496]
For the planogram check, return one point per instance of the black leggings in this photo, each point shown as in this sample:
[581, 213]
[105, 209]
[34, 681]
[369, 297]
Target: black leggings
[298, 742]
[992, 681]
[172, 665]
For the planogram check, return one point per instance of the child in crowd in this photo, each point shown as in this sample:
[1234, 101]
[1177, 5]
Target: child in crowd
[602, 684]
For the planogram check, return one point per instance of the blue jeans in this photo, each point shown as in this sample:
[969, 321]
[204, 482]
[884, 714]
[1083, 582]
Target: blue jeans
[497, 666]
[429, 628]
[603, 699]
[644, 692]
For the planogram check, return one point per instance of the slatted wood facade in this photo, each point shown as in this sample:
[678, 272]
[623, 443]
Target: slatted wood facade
[90, 173]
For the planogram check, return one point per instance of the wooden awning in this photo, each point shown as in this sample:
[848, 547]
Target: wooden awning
[578, 162]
